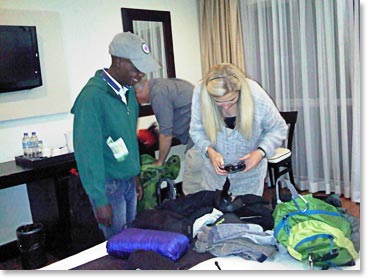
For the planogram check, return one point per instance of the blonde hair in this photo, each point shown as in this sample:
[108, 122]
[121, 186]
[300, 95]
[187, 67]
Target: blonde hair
[222, 79]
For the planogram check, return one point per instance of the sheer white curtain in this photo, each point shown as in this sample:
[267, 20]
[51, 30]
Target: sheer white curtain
[305, 53]
[152, 33]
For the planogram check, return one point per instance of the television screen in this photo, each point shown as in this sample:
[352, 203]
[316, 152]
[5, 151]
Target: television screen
[19, 60]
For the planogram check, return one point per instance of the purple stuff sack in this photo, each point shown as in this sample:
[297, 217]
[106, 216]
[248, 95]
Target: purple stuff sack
[169, 244]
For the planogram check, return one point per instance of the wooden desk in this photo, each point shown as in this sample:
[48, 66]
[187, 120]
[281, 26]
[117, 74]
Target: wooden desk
[13, 174]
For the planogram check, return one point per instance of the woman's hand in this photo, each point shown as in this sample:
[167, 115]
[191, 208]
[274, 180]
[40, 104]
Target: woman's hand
[217, 161]
[252, 159]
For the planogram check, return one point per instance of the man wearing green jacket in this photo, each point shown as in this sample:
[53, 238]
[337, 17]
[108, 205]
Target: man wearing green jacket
[105, 134]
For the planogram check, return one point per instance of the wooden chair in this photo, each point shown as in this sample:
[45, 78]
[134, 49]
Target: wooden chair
[283, 155]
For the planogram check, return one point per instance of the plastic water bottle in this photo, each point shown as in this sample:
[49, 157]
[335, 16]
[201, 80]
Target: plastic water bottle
[34, 145]
[40, 148]
[26, 145]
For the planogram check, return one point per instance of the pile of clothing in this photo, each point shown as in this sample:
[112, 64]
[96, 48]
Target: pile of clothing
[217, 223]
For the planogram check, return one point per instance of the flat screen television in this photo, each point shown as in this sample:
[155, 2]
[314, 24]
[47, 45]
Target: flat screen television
[19, 59]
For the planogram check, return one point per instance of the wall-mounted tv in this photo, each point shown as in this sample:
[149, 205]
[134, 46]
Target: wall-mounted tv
[19, 59]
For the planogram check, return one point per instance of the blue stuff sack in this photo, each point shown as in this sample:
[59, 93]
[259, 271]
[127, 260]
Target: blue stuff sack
[169, 244]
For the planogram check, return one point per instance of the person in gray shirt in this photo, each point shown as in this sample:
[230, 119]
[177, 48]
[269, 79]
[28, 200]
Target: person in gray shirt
[170, 99]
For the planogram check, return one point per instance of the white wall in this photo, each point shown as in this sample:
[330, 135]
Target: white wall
[87, 27]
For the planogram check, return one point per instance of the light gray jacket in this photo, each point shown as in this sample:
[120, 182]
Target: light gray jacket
[269, 131]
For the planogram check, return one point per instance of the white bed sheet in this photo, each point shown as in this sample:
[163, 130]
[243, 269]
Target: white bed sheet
[83, 257]
[281, 261]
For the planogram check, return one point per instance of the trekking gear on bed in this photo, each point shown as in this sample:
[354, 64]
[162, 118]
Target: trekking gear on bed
[169, 244]
[153, 176]
[313, 230]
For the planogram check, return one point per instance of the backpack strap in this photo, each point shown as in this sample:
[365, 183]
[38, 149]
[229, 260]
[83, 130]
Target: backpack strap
[294, 193]
[171, 187]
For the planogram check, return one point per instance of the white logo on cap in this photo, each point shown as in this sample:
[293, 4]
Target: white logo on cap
[145, 48]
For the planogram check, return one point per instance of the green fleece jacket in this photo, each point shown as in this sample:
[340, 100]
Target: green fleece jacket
[99, 113]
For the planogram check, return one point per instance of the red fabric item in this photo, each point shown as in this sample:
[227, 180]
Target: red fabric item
[146, 137]
[74, 171]
[149, 136]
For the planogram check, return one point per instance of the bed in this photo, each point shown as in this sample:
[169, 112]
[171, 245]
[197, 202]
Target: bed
[97, 258]
[161, 218]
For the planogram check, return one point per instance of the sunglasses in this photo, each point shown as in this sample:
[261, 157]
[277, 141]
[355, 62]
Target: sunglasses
[233, 168]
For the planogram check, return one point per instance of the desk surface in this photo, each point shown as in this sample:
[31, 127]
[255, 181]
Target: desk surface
[12, 174]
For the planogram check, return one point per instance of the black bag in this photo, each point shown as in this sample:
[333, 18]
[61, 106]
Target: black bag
[248, 208]
[165, 220]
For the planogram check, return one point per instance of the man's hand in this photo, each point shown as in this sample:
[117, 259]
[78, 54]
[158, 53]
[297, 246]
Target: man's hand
[165, 143]
[139, 188]
[158, 163]
[104, 215]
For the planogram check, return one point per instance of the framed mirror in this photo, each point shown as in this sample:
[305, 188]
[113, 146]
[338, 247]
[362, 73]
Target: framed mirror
[155, 28]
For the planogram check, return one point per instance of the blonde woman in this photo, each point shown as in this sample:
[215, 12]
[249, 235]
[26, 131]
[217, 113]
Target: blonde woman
[234, 121]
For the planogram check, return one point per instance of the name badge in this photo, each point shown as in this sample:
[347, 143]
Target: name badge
[118, 148]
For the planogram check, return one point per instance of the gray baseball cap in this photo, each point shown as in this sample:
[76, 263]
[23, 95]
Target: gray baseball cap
[130, 46]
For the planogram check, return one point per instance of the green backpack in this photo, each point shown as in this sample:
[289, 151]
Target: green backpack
[313, 230]
[151, 177]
